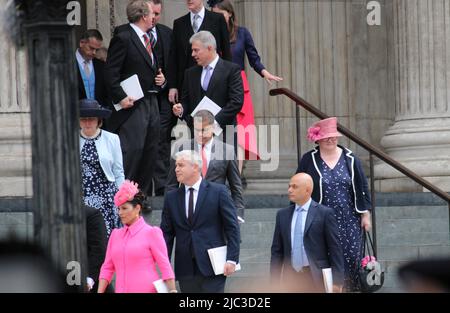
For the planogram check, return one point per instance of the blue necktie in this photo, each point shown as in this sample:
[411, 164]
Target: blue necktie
[297, 249]
[207, 77]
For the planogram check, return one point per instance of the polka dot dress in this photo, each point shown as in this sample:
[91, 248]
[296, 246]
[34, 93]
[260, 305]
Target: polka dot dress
[98, 191]
[338, 195]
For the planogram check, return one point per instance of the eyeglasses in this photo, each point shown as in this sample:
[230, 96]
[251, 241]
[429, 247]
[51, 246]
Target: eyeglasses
[329, 139]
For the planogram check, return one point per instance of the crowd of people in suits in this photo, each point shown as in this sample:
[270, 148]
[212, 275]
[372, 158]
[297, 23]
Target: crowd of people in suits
[122, 137]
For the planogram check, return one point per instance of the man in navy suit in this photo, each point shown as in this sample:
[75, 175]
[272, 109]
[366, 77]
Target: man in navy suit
[200, 215]
[218, 79]
[196, 20]
[306, 239]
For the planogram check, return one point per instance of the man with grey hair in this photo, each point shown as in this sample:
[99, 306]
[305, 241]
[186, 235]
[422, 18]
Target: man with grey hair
[196, 20]
[136, 122]
[201, 216]
[219, 159]
[213, 77]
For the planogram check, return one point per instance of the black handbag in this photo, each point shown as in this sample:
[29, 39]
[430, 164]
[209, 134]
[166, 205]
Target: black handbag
[371, 276]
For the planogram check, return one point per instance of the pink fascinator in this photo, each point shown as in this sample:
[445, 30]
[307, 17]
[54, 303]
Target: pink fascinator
[126, 192]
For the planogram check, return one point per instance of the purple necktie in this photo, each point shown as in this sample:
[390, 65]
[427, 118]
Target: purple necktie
[207, 78]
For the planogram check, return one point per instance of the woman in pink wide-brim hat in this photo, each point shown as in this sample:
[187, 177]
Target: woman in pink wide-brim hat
[339, 183]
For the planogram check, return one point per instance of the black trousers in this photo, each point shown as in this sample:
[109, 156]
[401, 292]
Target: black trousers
[139, 138]
[202, 284]
[162, 165]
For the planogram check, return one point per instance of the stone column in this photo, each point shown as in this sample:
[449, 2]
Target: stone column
[59, 219]
[420, 136]
[329, 56]
[15, 138]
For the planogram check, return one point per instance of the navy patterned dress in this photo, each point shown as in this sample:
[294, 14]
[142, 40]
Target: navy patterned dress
[338, 195]
[98, 191]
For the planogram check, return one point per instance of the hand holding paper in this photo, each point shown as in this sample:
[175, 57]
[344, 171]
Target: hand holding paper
[218, 258]
[132, 87]
[228, 269]
[211, 106]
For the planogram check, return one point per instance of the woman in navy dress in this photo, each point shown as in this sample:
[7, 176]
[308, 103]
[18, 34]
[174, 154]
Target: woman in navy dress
[241, 44]
[101, 162]
[332, 167]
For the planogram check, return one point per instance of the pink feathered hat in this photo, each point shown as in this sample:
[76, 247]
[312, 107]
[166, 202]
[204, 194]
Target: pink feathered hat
[323, 129]
[126, 192]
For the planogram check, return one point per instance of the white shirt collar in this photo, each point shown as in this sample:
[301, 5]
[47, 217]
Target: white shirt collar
[208, 145]
[305, 207]
[80, 58]
[196, 186]
[138, 31]
[214, 62]
[201, 14]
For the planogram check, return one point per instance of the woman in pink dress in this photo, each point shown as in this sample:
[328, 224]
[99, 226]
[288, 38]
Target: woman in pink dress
[135, 249]
[241, 43]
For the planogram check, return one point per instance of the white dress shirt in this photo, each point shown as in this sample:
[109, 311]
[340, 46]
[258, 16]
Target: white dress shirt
[81, 61]
[201, 15]
[196, 187]
[305, 207]
[141, 34]
[154, 33]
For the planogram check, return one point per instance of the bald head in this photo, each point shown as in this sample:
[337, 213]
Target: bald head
[300, 188]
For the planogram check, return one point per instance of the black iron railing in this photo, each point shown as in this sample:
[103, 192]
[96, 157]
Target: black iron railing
[373, 151]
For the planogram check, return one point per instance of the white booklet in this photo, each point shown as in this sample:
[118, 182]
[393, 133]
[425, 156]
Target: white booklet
[132, 87]
[160, 286]
[209, 105]
[218, 257]
[327, 279]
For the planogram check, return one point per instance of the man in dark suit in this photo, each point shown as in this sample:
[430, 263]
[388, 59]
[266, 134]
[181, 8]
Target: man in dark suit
[201, 216]
[197, 19]
[91, 71]
[163, 40]
[96, 244]
[305, 241]
[213, 77]
[136, 122]
[219, 162]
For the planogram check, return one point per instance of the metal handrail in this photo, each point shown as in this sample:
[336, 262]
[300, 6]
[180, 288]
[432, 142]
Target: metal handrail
[372, 151]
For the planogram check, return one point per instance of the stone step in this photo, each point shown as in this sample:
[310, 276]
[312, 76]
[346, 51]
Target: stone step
[425, 211]
[412, 225]
[408, 239]
[15, 148]
[250, 228]
[248, 284]
[257, 241]
[249, 255]
[16, 187]
[412, 252]
[11, 166]
[261, 215]
[254, 269]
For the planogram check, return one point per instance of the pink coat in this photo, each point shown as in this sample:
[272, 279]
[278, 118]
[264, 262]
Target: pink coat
[133, 251]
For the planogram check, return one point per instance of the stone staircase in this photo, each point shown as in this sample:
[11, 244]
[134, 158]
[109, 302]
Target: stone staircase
[405, 232]
[409, 226]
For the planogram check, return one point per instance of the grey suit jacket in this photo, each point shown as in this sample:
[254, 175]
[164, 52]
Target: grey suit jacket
[222, 167]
